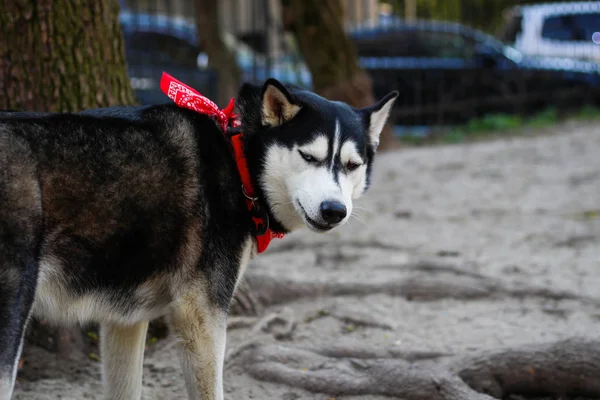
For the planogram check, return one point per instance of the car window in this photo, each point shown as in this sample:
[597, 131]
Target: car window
[571, 27]
[588, 24]
[557, 28]
[417, 43]
[389, 44]
[446, 45]
[161, 48]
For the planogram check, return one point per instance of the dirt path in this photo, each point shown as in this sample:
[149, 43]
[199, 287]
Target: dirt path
[467, 268]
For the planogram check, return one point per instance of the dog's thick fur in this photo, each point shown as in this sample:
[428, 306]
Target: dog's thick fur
[125, 214]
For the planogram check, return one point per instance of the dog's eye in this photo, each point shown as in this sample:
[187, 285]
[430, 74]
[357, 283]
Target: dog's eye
[351, 166]
[307, 157]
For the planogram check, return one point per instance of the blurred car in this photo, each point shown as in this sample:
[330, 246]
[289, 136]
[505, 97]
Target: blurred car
[447, 72]
[255, 67]
[155, 43]
[561, 29]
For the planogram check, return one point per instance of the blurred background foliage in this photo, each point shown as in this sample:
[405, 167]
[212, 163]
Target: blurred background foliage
[481, 14]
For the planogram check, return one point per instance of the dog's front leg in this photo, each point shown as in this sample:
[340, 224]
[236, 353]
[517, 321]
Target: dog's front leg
[201, 327]
[122, 360]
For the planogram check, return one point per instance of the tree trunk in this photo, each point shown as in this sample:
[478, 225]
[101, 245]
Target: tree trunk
[329, 54]
[410, 9]
[61, 56]
[219, 56]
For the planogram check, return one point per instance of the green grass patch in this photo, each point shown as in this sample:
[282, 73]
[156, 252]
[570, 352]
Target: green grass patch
[589, 112]
[544, 118]
[500, 124]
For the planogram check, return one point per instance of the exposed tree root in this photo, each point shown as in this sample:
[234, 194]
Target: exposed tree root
[559, 369]
[281, 325]
[565, 368]
[434, 267]
[354, 317]
[439, 281]
[357, 350]
[347, 376]
[299, 246]
[244, 302]
[240, 322]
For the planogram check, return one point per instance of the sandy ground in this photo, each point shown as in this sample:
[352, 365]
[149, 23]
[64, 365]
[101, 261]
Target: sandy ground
[517, 212]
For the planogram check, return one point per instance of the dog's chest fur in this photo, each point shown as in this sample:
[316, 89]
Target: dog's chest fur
[137, 206]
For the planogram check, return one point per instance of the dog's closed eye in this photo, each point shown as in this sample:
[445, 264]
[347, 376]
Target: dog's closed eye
[352, 165]
[308, 158]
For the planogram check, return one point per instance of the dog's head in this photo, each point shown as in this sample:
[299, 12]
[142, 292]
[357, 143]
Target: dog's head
[311, 157]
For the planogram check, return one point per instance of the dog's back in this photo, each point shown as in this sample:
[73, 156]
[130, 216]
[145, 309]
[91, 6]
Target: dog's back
[117, 191]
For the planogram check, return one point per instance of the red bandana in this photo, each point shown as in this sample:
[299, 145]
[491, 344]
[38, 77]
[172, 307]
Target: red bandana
[185, 96]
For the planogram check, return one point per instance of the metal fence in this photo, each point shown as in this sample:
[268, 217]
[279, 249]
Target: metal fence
[451, 61]
[524, 59]
[161, 36]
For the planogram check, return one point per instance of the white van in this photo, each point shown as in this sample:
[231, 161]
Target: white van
[562, 29]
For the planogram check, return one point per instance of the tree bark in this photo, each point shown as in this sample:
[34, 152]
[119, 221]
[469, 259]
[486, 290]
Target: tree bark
[410, 9]
[61, 56]
[219, 56]
[330, 55]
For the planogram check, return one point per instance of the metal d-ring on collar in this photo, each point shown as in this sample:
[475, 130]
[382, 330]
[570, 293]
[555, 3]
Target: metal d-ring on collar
[258, 214]
[252, 199]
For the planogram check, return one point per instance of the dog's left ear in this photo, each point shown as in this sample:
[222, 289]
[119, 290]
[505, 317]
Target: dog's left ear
[278, 105]
[376, 116]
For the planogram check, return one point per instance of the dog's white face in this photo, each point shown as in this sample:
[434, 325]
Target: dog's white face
[314, 182]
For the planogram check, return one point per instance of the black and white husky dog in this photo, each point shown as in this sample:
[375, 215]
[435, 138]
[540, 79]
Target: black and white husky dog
[125, 214]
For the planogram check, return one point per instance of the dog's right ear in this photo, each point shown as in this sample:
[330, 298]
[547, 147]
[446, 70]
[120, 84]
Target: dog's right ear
[278, 105]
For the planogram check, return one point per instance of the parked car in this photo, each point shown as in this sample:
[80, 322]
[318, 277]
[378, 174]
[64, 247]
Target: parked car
[562, 29]
[155, 43]
[255, 67]
[447, 72]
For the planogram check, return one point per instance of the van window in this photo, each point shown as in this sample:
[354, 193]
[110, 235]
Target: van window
[571, 27]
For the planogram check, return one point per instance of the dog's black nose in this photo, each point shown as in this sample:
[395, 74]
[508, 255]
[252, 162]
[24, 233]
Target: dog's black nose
[333, 211]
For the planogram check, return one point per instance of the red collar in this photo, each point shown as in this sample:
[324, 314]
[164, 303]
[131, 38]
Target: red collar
[185, 96]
